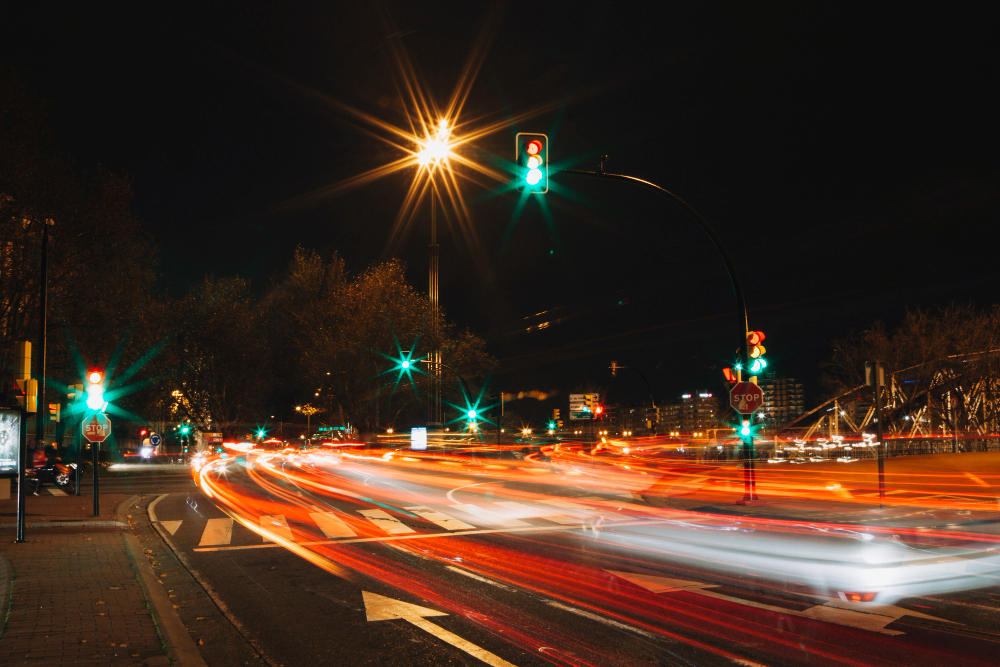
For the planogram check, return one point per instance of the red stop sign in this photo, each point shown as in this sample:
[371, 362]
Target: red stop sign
[746, 397]
[96, 427]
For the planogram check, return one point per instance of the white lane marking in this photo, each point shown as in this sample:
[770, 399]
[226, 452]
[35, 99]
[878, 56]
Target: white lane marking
[470, 575]
[332, 525]
[277, 525]
[217, 531]
[599, 619]
[386, 522]
[56, 492]
[421, 536]
[490, 517]
[451, 497]
[584, 509]
[440, 519]
[529, 512]
[171, 526]
[862, 615]
[660, 584]
[381, 608]
[976, 479]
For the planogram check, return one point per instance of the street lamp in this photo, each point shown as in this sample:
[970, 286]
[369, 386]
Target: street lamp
[308, 411]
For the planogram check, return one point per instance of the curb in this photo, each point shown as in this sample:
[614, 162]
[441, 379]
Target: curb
[69, 524]
[205, 586]
[176, 640]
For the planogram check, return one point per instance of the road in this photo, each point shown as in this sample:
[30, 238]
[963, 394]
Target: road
[375, 558]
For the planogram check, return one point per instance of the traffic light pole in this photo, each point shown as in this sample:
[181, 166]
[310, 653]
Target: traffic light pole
[94, 446]
[749, 478]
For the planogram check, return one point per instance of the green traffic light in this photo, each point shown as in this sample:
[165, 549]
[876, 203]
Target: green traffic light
[552, 425]
[185, 429]
[758, 365]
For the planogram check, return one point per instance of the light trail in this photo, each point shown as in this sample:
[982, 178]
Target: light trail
[607, 503]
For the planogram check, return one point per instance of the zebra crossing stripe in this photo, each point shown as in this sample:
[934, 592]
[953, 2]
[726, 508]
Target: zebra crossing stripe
[332, 525]
[217, 531]
[529, 512]
[276, 524]
[440, 519]
[56, 492]
[490, 517]
[386, 522]
[171, 526]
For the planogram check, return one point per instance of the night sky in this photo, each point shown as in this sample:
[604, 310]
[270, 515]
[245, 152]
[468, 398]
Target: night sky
[846, 155]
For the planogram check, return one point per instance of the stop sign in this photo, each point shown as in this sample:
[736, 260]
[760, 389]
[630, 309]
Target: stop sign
[746, 397]
[97, 427]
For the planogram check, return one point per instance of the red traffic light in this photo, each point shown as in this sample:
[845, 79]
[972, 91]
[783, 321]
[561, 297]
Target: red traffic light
[730, 375]
[599, 409]
[533, 147]
[755, 337]
[143, 432]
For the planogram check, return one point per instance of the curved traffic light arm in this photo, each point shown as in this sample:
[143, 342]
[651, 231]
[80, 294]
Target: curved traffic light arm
[741, 303]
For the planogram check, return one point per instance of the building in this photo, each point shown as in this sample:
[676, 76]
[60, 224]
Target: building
[784, 399]
[694, 413]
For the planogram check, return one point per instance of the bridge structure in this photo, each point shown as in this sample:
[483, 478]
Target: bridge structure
[949, 404]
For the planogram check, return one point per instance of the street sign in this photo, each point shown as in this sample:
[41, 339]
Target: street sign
[746, 397]
[96, 427]
[155, 439]
[581, 406]
[212, 437]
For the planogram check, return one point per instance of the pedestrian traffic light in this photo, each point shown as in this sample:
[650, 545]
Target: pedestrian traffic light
[599, 410]
[532, 152]
[730, 375]
[95, 391]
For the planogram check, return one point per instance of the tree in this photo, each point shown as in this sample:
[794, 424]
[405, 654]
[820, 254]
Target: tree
[345, 333]
[220, 355]
[945, 365]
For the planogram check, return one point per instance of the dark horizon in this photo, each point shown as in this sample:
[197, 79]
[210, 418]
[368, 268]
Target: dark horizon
[844, 156]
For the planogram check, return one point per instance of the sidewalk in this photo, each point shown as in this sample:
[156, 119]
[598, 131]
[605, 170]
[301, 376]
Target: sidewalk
[77, 590]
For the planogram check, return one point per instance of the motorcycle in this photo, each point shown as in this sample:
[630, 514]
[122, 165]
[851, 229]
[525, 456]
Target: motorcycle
[60, 474]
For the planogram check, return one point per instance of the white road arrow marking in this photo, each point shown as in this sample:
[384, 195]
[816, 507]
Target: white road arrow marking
[381, 608]
[862, 615]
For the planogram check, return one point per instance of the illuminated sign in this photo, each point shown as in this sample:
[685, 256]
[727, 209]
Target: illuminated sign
[418, 437]
[10, 440]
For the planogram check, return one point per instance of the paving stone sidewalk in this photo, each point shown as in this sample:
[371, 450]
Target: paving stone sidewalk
[73, 593]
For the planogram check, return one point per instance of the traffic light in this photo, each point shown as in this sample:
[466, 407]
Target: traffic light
[745, 428]
[95, 391]
[731, 375]
[756, 350]
[55, 411]
[185, 429]
[143, 433]
[532, 152]
[599, 410]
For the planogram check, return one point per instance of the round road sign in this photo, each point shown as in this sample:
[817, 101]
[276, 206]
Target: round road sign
[155, 439]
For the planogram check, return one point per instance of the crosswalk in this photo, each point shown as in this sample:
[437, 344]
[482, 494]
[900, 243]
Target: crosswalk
[373, 524]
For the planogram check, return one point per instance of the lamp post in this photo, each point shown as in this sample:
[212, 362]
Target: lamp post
[308, 411]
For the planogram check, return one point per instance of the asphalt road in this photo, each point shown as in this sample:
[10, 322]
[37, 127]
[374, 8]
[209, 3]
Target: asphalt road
[573, 588]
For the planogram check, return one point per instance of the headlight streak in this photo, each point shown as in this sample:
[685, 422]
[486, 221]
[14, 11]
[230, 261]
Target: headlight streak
[878, 558]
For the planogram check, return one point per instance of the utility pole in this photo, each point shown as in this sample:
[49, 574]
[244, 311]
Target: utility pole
[875, 377]
[434, 398]
[43, 406]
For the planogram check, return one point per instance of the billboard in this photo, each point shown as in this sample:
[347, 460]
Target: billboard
[10, 440]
